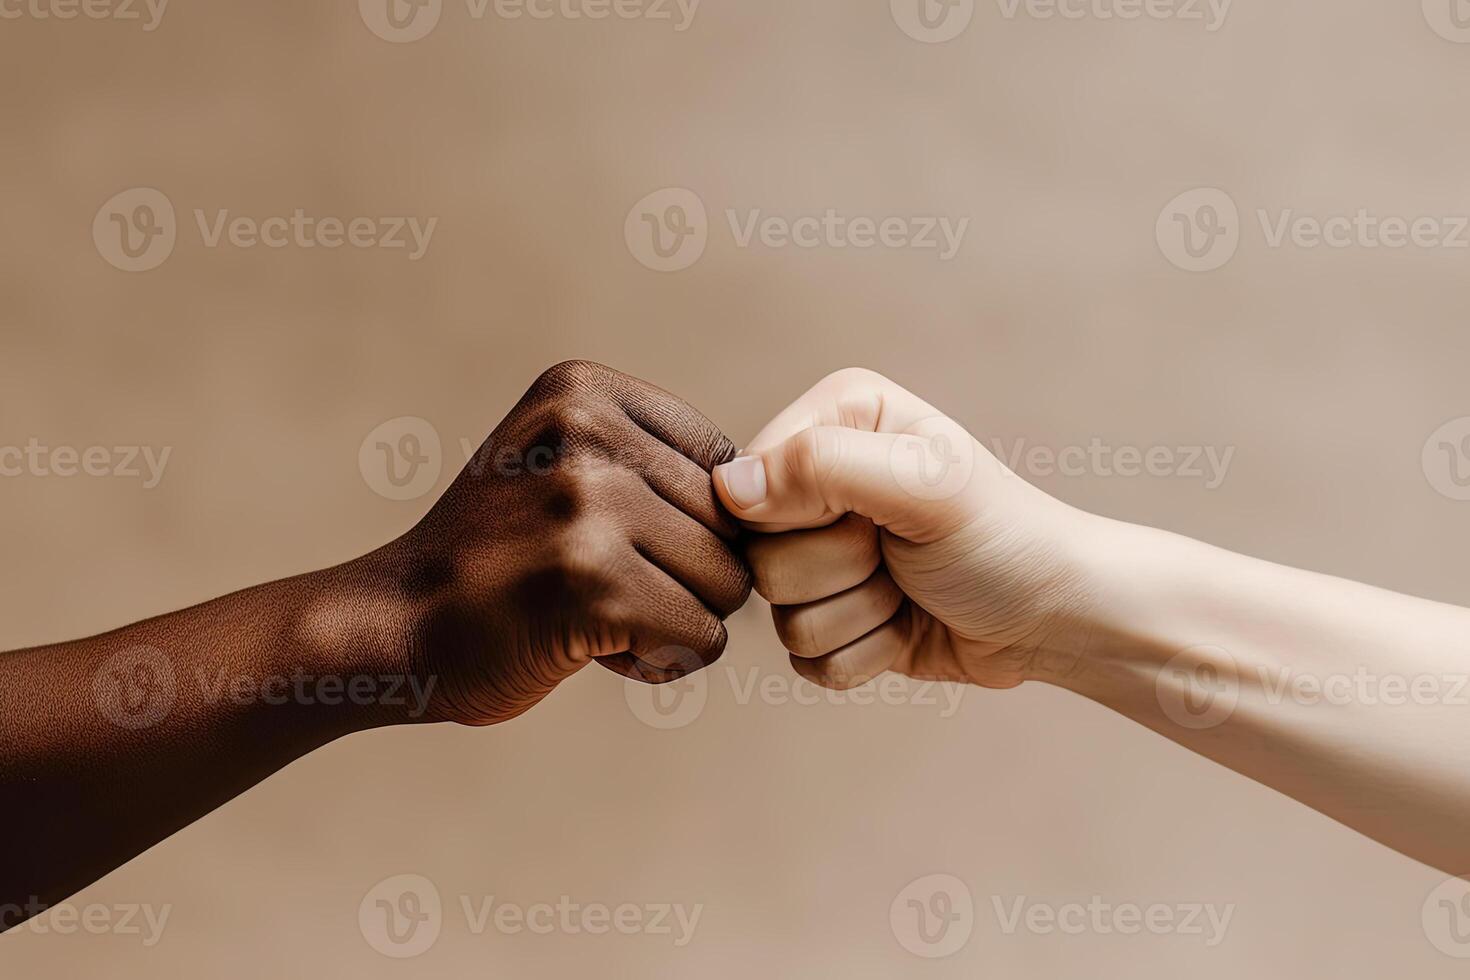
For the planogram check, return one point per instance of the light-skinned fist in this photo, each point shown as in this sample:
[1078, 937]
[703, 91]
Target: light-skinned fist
[887, 538]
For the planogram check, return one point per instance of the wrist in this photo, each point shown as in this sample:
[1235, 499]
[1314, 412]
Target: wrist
[354, 630]
[1129, 584]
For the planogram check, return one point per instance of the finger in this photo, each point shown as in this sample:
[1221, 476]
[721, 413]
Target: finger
[690, 554]
[861, 660]
[853, 398]
[634, 669]
[804, 566]
[917, 485]
[680, 481]
[819, 628]
[673, 421]
[667, 627]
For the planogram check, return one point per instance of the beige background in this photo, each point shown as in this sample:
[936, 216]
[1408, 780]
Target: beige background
[1060, 320]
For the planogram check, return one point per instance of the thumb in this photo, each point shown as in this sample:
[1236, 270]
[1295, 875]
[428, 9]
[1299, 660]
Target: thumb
[912, 483]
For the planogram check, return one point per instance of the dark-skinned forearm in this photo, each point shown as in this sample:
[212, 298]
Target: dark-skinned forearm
[111, 744]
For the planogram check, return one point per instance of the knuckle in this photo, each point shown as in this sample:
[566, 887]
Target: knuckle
[578, 421]
[858, 542]
[860, 408]
[765, 572]
[794, 628]
[855, 377]
[588, 552]
[570, 376]
[813, 454]
[713, 640]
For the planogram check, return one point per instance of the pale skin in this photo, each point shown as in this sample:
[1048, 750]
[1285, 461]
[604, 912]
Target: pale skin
[887, 538]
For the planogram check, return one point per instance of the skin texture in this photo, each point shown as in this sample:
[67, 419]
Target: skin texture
[865, 575]
[892, 540]
[586, 529]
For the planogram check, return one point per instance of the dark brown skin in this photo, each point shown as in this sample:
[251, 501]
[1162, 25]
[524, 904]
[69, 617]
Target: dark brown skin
[586, 528]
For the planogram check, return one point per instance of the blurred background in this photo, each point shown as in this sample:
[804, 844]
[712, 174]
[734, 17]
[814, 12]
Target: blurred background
[1130, 193]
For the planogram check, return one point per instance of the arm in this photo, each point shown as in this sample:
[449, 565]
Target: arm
[585, 528]
[1349, 698]
[895, 541]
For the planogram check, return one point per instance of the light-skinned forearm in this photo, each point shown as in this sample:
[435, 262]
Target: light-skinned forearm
[1349, 698]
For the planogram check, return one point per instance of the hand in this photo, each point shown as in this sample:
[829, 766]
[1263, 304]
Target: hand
[890, 539]
[585, 528]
